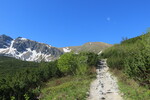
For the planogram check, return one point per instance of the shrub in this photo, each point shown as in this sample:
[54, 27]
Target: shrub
[67, 63]
[132, 56]
[81, 65]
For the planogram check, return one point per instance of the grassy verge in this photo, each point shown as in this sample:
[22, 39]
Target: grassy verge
[67, 88]
[131, 89]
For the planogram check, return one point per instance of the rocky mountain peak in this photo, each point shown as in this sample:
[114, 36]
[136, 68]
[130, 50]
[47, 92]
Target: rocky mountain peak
[5, 41]
[28, 50]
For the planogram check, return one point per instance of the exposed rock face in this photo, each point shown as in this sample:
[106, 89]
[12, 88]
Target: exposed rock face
[25, 49]
[5, 41]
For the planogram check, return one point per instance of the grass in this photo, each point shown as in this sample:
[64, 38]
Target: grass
[130, 88]
[67, 88]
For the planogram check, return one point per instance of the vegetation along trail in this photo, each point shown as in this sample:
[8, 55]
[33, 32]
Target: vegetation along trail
[105, 86]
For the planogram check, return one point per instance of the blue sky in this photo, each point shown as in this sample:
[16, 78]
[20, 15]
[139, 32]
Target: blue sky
[63, 23]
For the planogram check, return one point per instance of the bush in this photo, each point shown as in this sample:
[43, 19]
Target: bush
[26, 81]
[67, 63]
[132, 56]
[81, 65]
[77, 64]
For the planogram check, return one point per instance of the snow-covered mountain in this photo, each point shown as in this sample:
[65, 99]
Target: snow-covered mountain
[28, 50]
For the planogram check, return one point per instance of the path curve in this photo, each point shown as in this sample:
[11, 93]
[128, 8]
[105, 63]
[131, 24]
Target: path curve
[105, 87]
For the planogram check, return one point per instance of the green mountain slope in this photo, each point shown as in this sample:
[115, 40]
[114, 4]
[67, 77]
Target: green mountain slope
[9, 65]
[133, 56]
[131, 59]
[22, 80]
[19, 79]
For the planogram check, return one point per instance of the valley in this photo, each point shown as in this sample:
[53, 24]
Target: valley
[28, 72]
[74, 50]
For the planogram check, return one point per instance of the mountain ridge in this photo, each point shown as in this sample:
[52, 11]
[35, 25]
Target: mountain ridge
[29, 50]
[95, 47]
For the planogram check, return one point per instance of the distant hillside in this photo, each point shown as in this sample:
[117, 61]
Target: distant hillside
[9, 65]
[18, 77]
[95, 47]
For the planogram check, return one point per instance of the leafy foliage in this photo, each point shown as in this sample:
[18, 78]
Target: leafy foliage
[76, 64]
[23, 77]
[132, 56]
[10, 65]
[67, 63]
[21, 80]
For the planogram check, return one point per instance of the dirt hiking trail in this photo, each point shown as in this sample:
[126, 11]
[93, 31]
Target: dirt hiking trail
[105, 87]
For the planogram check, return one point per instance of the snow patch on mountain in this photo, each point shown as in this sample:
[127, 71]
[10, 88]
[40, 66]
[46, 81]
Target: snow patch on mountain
[49, 46]
[24, 39]
[11, 49]
[3, 50]
[66, 49]
[28, 55]
[28, 50]
[32, 55]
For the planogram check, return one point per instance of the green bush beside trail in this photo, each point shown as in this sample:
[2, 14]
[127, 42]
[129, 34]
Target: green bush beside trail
[132, 56]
